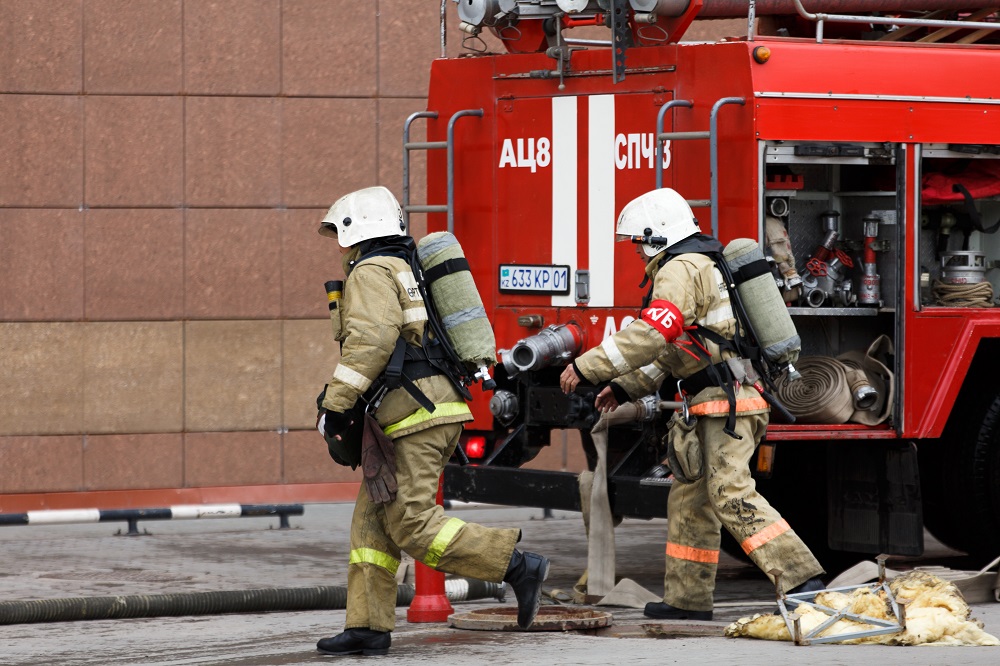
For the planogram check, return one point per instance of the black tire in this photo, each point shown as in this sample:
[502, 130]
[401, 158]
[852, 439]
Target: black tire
[961, 480]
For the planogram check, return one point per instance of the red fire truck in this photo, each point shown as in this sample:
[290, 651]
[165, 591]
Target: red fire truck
[872, 135]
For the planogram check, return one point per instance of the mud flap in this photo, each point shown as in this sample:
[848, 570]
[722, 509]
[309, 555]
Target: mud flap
[874, 503]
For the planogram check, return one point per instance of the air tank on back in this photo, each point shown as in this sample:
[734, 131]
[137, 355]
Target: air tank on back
[766, 310]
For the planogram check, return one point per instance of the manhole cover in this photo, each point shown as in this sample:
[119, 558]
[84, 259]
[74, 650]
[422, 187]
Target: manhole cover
[549, 618]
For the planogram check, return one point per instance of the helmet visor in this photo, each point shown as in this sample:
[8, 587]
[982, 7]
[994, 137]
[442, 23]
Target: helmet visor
[328, 229]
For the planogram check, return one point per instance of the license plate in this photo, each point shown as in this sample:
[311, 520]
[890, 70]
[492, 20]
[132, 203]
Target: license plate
[527, 278]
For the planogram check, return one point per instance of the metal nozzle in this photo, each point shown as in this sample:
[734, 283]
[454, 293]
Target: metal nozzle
[503, 406]
[865, 397]
[793, 374]
[555, 344]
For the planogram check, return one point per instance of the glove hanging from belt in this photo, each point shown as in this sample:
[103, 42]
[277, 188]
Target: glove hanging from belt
[378, 463]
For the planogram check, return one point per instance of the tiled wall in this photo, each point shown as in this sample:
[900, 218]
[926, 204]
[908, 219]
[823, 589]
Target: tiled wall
[163, 168]
[164, 165]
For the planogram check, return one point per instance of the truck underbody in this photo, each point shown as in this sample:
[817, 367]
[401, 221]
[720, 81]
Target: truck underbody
[832, 134]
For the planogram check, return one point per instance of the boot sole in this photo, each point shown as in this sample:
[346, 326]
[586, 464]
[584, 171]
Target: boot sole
[367, 652]
[684, 616]
[374, 652]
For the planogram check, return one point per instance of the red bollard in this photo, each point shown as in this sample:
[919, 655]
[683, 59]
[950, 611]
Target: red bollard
[430, 604]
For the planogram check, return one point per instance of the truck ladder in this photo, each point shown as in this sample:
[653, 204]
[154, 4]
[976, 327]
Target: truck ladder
[910, 25]
[713, 145]
[408, 145]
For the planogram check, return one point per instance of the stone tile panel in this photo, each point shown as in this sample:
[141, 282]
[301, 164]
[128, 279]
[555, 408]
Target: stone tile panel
[232, 151]
[134, 266]
[233, 263]
[308, 261]
[309, 353]
[134, 151]
[409, 38]
[392, 115]
[41, 150]
[232, 375]
[133, 377]
[328, 49]
[42, 46]
[232, 47]
[41, 379]
[41, 464]
[41, 264]
[328, 149]
[133, 462]
[133, 46]
[306, 460]
[232, 458]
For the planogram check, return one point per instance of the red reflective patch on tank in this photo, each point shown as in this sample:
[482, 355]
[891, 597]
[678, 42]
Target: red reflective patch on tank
[666, 318]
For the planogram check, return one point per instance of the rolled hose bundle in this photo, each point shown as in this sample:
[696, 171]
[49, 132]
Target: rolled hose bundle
[218, 603]
[822, 395]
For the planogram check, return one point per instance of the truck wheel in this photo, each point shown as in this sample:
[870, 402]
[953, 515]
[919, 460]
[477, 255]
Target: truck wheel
[961, 481]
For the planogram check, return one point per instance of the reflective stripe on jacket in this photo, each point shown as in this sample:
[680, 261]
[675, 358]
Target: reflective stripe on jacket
[381, 301]
[639, 355]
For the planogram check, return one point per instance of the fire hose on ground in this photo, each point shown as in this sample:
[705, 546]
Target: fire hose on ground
[218, 603]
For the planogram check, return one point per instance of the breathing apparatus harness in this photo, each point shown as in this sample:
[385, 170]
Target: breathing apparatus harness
[435, 356]
[743, 345]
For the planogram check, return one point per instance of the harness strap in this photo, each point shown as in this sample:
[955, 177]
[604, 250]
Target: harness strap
[717, 374]
[447, 267]
[404, 366]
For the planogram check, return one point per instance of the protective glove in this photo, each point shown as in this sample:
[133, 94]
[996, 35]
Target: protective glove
[378, 463]
[336, 424]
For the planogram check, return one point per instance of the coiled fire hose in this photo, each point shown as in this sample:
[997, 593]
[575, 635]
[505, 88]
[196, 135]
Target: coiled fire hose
[823, 393]
[978, 295]
[218, 603]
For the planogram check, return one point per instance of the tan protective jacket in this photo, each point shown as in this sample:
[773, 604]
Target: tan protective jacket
[640, 357]
[381, 301]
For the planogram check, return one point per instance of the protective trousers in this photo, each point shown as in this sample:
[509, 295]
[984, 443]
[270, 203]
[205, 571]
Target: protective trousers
[726, 496]
[414, 523]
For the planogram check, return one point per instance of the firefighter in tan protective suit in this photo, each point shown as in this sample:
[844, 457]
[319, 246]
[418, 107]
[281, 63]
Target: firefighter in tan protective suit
[719, 440]
[382, 311]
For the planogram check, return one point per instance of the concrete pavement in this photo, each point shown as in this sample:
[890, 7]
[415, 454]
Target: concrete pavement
[42, 562]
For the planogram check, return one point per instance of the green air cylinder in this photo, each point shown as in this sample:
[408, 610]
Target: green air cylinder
[761, 299]
[456, 299]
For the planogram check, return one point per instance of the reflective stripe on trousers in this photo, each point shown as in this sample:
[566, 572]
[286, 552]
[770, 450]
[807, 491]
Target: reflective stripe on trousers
[444, 537]
[773, 530]
[378, 558]
[692, 554]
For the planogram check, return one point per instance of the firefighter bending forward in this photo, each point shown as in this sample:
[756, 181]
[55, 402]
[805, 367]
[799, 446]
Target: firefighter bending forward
[380, 305]
[688, 289]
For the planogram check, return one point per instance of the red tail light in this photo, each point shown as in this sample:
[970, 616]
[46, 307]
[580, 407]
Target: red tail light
[475, 447]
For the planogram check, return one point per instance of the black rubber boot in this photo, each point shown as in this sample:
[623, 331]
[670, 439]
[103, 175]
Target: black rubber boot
[811, 585]
[525, 575]
[366, 642]
[662, 611]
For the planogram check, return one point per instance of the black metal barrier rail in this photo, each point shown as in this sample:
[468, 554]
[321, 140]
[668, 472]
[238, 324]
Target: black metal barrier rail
[133, 516]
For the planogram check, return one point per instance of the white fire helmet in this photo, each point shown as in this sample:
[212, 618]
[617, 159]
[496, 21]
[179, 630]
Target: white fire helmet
[369, 213]
[662, 215]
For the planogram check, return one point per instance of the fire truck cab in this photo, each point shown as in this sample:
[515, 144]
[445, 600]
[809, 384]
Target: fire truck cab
[871, 136]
